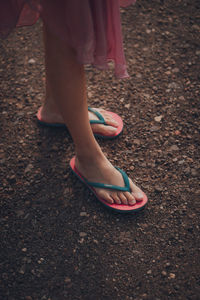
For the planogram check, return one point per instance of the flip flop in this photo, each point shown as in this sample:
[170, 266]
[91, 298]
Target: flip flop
[100, 120]
[121, 208]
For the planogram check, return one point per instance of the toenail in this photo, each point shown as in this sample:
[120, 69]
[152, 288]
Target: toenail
[132, 202]
[139, 195]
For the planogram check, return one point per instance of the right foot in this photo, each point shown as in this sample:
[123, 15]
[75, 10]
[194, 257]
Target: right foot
[47, 116]
[101, 170]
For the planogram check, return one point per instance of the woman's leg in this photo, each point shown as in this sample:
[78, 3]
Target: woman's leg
[50, 113]
[67, 85]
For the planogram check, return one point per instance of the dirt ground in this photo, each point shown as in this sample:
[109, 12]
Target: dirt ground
[57, 241]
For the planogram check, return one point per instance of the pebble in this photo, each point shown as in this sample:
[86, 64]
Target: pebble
[139, 75]
[83, 214]
[164, 273]
[175, 70]
[173, 85]
[149, 272]
[127, 105]
[82, 234]
[158, 188]
[181, 98]
[187, 170]
[28, 168]
[194, 172]
[154, 128]
[172, 275]
[174, 148]
[67, 280]
[31, 61]
[136, 142]
[175, 159]
[158, 118]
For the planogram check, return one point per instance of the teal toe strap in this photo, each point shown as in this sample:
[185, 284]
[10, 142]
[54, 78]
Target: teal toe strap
[99, 116]
[126, 187]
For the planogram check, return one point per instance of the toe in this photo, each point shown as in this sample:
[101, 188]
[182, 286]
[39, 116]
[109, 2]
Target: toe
[136, 191]
[115, 197]
[106, 130]
[111, 121]
[103, 194]
[123, 198]
[130, 198]
[107, 117]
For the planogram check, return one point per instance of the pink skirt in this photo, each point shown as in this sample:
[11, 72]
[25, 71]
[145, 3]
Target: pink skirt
[91, 27]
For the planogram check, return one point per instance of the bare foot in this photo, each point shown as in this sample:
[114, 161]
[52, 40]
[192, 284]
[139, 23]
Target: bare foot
[101, 170]
[49, 116]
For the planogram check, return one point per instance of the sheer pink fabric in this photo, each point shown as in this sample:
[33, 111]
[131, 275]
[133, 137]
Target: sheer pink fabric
[92, 27]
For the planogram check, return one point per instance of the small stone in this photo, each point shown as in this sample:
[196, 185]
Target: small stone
[139, 75]
[24, 249]
[148, 31]
[196, 27]
[173, 85]
[164, 273]
[181, 98]
[172, 275]
[89, 94]
[177, 132]
[149, 272]
[136, 142]
[174, 148]
[187, 170]
[127, 105]
[22, 270]
[147, 96]
[19, 213]
[83, 214]
[131, 168]
[67, 280]
[28, 168]
[175, 70]
[194, 172]
[31, 61]
[82, 234]
[154, 128]
[158, 118]
[158, 188]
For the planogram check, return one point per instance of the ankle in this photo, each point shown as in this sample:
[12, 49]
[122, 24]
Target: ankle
[50, 106]
[89, 157]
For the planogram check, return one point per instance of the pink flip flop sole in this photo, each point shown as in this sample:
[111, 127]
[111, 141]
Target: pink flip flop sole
[121, 208]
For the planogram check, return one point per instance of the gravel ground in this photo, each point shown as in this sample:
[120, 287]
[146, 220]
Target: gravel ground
[57, 241]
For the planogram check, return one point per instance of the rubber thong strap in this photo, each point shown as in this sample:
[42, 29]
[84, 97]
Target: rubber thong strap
[101, 119]
[126, 188]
